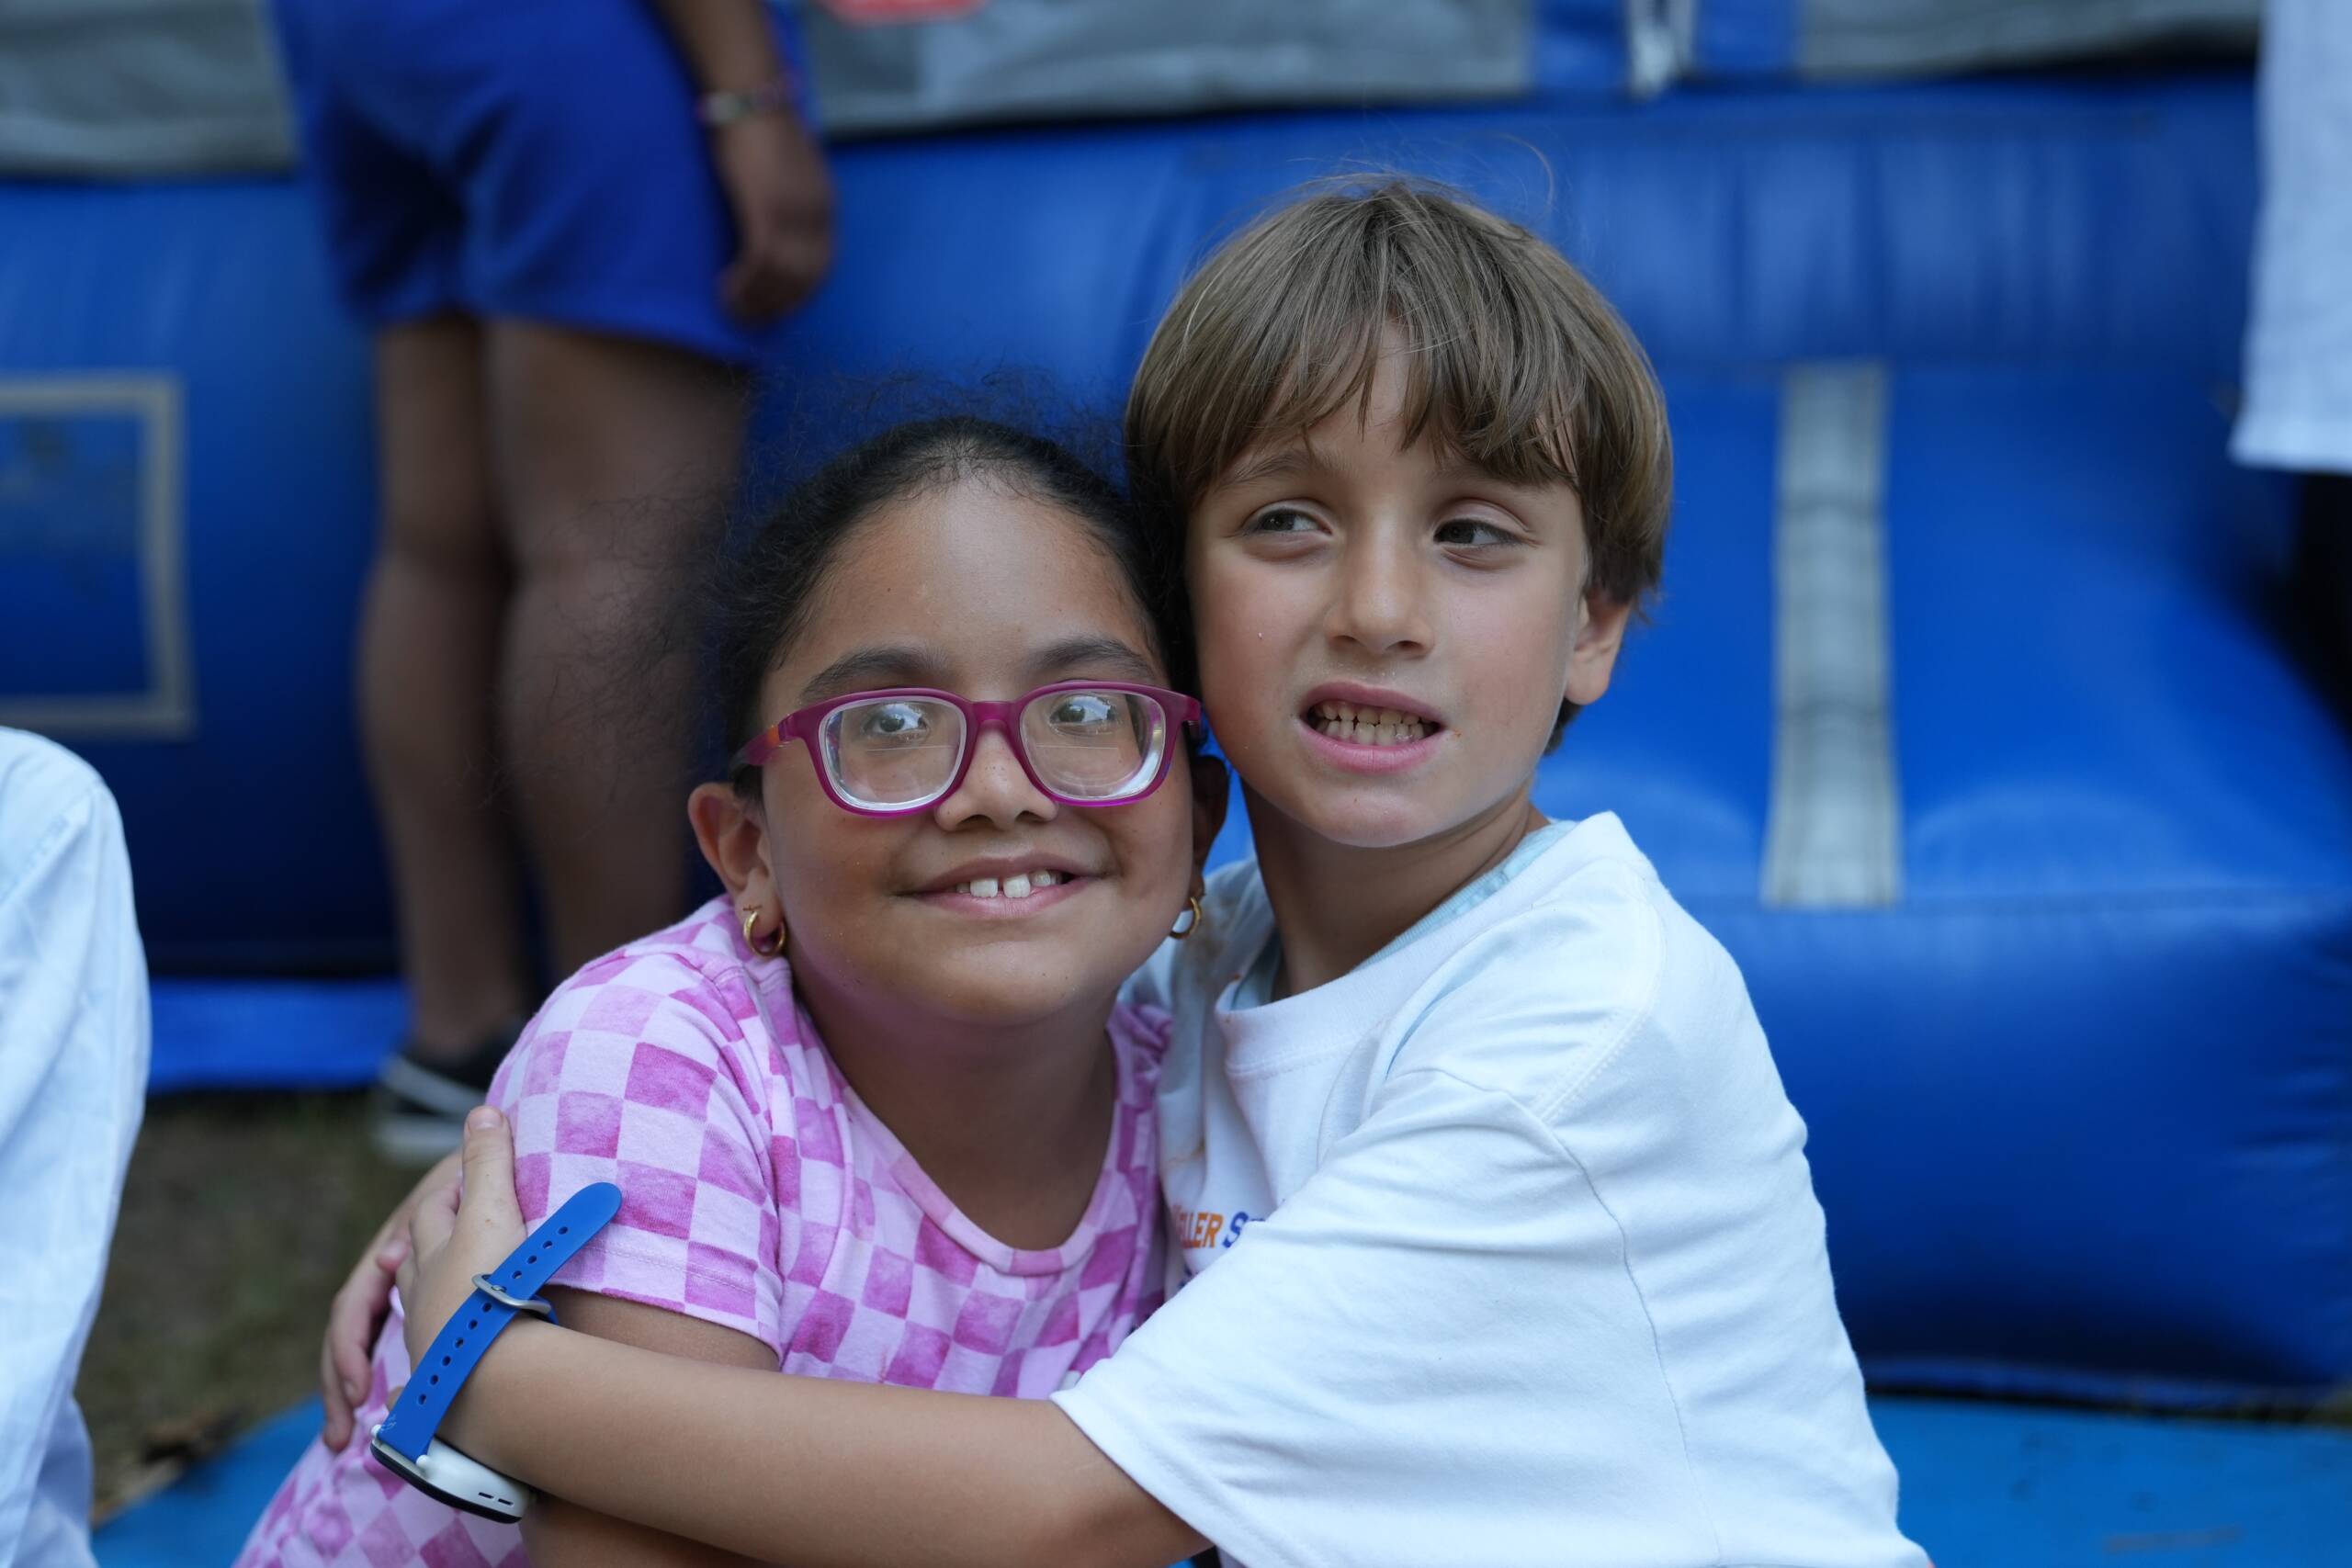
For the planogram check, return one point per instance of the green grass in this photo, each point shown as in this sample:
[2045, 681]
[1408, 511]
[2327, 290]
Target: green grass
[241, 1217]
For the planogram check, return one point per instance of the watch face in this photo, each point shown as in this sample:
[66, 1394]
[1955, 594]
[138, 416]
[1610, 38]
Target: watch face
[449, 1476]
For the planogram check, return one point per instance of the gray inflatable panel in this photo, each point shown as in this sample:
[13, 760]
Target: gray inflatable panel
[131, 87]
[1910, 38]
[1085, 59]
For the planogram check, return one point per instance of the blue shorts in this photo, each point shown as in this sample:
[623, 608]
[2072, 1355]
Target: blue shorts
[535, 159]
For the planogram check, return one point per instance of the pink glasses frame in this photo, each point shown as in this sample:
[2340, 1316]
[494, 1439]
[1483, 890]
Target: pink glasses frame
[804, 724]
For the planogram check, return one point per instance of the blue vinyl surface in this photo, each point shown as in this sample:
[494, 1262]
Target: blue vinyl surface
[2015, 224]
[252, 836]
[1579, 47]
[1983, 1486]
[2018, 222]
[203, 1517]
[226, 1033]
[1746, 38]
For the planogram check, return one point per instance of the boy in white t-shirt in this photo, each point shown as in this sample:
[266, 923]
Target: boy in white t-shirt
[1517, 1256]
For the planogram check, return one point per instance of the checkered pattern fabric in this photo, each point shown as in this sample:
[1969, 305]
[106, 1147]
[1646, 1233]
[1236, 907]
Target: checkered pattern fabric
[758, 1194]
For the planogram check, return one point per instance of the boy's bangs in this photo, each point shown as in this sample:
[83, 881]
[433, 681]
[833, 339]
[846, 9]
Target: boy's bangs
[1304, 312]
[1457, 394]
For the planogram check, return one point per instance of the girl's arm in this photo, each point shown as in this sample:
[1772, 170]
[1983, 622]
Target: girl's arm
[822, 1473]
[558, 1534]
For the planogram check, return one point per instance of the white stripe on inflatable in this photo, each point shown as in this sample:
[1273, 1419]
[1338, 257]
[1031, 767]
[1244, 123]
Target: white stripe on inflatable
[166, 709]
[1661, 44]
[1832, 838]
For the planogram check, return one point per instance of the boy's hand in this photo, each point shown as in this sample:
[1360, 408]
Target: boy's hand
[453, 1238]
[347, 1356]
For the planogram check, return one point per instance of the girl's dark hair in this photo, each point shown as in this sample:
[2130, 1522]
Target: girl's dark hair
[762, 594]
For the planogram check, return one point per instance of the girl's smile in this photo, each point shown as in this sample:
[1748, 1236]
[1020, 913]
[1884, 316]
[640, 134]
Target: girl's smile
[1010, 886]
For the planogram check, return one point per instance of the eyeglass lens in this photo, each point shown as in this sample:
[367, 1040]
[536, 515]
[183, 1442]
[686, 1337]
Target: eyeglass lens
[1085, 745]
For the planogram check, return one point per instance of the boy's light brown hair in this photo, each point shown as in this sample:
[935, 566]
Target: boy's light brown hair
[1514, 362]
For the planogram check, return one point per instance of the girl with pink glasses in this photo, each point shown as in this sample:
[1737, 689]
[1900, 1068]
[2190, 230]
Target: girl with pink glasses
[876, 1113]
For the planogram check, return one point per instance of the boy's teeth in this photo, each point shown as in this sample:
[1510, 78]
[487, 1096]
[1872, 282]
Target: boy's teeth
[1368, 726]
[1016, 886]
[983, 887]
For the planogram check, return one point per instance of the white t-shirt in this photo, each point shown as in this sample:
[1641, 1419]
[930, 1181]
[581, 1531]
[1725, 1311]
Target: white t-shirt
[1518, 1259]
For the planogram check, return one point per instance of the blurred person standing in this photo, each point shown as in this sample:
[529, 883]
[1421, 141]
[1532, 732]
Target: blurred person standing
[73, 1078]
[571, 225]
[2297, 410]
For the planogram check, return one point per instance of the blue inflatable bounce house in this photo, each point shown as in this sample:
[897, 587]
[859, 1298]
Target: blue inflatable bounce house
[1969, 719]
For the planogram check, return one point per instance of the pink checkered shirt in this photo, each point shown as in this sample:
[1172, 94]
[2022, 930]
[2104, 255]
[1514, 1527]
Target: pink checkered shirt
[758, 1192]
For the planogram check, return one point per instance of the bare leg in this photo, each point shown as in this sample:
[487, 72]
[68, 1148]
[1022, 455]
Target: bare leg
[429, 640]
[613, 456]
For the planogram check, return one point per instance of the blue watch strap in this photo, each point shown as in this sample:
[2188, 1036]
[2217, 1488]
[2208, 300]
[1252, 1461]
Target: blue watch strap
[442, 1371]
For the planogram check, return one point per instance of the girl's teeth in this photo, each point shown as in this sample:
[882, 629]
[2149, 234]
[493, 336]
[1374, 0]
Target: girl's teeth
[1018, 885]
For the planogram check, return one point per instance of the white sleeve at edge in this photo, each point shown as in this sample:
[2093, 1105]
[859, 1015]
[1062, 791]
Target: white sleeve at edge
[72, 1071]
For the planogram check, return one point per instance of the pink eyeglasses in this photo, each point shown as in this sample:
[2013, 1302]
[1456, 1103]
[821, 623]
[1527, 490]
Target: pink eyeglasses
[892, 752]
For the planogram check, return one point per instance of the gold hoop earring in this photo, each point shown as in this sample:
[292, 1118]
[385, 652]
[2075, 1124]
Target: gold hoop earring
[1188, 922]
[751, 918]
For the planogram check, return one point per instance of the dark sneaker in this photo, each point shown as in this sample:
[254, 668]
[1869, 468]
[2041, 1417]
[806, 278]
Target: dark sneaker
[420, 1107]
